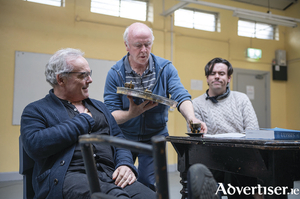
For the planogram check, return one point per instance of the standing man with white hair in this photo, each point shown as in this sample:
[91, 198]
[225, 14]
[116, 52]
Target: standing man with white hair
[139, 119]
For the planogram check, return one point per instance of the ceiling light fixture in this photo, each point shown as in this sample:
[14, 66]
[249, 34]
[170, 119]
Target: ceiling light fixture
[242, 13]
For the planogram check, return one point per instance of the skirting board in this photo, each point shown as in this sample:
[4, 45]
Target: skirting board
[12, 176]
[172, 168]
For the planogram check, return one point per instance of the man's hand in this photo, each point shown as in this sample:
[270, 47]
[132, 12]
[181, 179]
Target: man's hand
[123, 176]
[203, 125]
[187, 110]
[135, 110]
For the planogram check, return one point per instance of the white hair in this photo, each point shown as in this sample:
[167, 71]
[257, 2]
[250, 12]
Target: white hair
[58, 64]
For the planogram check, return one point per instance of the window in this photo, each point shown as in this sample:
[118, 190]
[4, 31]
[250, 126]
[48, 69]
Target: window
[196, 19]
[58, 3]
[121, 8]
[256, 30]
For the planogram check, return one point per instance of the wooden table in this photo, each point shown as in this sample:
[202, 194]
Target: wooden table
[272, 162]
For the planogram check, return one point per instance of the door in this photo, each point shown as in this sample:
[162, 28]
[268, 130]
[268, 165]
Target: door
[256, 85]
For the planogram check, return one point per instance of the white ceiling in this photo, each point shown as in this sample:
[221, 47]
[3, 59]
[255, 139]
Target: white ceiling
[272, 4]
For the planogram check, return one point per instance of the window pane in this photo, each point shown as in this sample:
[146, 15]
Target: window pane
[246, 28]
[195, 19]
[110, 7]
[204, 21]
[255, 30]
[264, 31]
[57, 3]
[133, 10]
[184, 18]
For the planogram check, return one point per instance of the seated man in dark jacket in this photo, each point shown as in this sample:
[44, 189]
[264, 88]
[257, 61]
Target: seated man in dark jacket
[50, 128]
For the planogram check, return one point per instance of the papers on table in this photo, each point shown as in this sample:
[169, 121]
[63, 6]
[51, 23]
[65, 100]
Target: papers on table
[225, 135]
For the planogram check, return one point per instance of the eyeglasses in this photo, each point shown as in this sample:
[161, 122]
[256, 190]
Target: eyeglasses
[82, 75]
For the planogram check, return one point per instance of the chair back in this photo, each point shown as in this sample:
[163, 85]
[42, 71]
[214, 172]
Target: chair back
[25, 169]
[157, 150]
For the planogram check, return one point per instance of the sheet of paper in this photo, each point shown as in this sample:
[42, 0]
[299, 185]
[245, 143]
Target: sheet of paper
[250, 92]
[226, 135]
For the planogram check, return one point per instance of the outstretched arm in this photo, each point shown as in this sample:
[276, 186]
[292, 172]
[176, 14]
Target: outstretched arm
[187, 111]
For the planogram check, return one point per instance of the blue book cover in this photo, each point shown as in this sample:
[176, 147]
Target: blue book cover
[274, 133]
[285, 134]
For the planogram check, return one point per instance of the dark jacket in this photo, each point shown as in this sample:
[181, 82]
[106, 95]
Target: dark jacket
[49, 137]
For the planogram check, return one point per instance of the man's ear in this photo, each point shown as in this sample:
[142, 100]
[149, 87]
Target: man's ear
[229, 78]
[127, 47]
[60, 80]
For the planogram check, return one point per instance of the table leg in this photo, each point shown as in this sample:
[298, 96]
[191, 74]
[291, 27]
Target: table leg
[183, 181]
[281, 176]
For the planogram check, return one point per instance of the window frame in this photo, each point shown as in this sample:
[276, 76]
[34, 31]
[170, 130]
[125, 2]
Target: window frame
[119, 11]
[62, 2]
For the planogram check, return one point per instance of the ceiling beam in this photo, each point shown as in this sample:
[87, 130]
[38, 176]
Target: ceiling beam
[174, 8]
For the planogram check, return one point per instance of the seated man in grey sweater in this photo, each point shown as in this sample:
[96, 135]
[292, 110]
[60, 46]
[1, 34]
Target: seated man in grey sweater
[225, 111]
[222, 110]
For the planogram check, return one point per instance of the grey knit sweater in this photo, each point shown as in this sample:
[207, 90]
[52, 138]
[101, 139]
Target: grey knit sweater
[233, 114]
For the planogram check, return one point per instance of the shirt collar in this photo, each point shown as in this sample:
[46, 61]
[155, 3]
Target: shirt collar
[129, 69]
